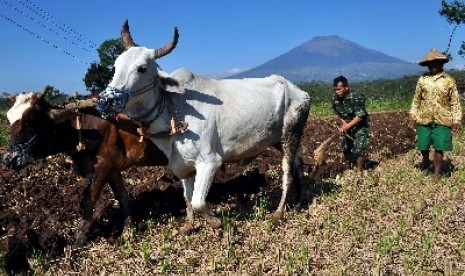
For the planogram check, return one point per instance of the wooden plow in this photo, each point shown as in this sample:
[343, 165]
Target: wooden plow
[318, 154]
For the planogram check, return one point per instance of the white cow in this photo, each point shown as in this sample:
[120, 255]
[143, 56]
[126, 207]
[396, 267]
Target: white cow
[228, 120]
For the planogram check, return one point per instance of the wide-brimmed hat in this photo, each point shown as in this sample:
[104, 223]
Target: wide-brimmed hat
[433, 54]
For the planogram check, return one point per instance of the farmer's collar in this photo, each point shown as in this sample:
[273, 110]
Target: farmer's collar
[341, 98]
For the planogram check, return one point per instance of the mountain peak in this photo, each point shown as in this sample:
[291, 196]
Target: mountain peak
[324, 57]
[326, 44]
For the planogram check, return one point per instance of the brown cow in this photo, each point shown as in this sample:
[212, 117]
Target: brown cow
[39, 130]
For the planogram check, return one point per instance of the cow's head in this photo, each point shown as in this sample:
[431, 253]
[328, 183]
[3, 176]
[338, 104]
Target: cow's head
[32, 121]
[136, 73]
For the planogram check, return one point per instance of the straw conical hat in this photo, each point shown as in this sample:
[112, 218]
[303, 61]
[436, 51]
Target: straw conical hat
[433, 54]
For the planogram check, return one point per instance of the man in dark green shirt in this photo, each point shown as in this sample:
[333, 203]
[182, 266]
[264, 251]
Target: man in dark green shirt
[354, 121]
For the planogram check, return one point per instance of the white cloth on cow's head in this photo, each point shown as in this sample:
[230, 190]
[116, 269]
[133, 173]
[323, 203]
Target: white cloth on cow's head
[111, 101]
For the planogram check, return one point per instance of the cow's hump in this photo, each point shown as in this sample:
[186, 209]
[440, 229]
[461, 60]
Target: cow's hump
[183, 76]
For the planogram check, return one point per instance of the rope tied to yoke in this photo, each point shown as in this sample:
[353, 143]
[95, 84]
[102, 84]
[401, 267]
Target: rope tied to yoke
[81, 145]
[175, 126]
[77, 106]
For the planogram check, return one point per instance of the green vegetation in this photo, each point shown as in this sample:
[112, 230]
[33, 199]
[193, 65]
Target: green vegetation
[4, 129]
[100, 73]
[454, 14]
[54, 96]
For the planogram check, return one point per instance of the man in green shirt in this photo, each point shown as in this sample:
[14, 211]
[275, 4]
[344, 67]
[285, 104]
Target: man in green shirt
[436, 111]
[354, 121]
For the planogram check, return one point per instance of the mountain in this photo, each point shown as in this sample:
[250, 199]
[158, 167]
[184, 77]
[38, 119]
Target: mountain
[325, 57]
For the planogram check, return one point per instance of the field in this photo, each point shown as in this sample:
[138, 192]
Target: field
[394, 221]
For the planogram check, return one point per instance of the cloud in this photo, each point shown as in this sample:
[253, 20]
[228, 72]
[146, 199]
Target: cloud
[225, 74]
[236, 70]
[454, 66]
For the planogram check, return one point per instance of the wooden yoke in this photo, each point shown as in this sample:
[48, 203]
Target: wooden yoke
[76, 106]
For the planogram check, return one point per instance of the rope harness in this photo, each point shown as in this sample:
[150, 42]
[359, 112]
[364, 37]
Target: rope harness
[163, 100]
[176, 126]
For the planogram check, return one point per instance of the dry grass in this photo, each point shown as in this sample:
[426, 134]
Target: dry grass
[396, 221]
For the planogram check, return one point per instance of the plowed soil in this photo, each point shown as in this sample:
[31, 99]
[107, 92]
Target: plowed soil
[40, 205]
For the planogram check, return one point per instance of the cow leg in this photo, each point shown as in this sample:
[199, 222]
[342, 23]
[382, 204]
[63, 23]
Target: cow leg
[297, 177]
[287, 165]
[291, 163]
[205, 173]
[90, 195]
[121, 194]
[188, 186]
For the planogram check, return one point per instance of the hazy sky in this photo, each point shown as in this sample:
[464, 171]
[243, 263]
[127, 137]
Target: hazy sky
[53, 42]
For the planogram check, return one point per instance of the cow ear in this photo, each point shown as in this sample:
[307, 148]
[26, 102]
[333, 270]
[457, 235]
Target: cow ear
[62, 115]
[171, 85]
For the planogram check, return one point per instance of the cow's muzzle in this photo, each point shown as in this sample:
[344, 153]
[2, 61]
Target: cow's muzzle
[111, 101]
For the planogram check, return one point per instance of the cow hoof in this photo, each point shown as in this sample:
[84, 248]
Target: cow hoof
[214, 222]
[81, 239]
[84, 230]
[128, 233]
[277, 218]
[186, 229]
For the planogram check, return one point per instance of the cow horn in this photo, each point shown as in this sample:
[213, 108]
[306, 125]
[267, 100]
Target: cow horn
[163, 51]
[126, 36]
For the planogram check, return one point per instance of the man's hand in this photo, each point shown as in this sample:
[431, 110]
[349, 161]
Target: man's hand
[344, 128]
[455, 128]
[347, 126]
[412, 123]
